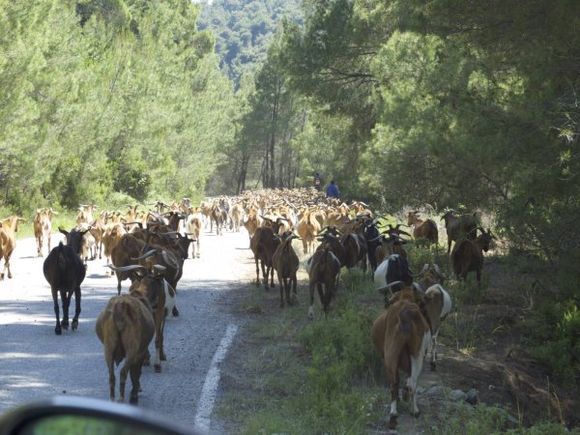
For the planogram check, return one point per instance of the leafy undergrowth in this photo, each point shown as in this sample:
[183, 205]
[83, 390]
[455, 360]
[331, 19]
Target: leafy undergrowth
[292, 375]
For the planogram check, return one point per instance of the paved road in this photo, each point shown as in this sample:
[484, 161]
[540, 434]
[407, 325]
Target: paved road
[35, 363]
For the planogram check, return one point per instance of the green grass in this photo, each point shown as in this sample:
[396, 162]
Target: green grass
[323, 376]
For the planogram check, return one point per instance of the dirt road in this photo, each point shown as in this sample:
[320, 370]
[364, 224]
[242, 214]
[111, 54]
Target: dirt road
[35, 363]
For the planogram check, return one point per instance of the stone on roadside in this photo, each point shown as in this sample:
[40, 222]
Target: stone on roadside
[457, 396]
[472, 397]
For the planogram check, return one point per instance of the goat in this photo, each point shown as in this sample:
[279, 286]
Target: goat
[171, 263]
[324, 267]
[111, 237]
[373, 241]
[307, 229]
[393, 273]
[123, 254]
[8, 241]
[236, 216]
[89, 243]
[126, 327]
[64, 271]
[193, 230]
[330, 237]
[401, 335]
[150, 283]
[252, 222]
[85, 215]
[42, 227]
[220, 216]
[437, 304]
[389, 246]
[459, 227]
[355, 250]
[263, 244]
[285, 262]
[467, 255]
[423, 229]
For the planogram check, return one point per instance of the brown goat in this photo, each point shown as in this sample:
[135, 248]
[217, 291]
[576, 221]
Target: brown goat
[285, 262]
[467, 255]
[401, 335]
[307, 229]
[263, 244]
[149, 283]
[459, 227]
[193, 230]
[8, 241]
[42, 225]
[323, 270]
[423, 229]
[126, 327]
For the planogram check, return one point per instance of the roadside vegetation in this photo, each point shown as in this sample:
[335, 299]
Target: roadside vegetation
[323, 376]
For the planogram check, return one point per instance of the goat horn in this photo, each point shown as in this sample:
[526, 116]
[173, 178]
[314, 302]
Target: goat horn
[146, 255]
[125, 268]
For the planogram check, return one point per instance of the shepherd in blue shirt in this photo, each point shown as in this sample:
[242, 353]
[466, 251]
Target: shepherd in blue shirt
[332, 190]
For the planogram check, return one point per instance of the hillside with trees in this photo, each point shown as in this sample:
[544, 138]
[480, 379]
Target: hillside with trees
[244, 29]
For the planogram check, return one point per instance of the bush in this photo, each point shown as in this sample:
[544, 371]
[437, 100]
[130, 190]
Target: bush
[553, 337]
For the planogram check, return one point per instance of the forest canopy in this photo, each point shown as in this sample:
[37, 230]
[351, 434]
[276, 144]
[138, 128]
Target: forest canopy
[107, 96]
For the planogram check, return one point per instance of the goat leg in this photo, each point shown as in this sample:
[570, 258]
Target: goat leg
[257, 272]
[57, 329]
[135, 373]
[281, 292]
[75, 322]
[311, 308]
[265, 273]
[271, 271]
[65, 298]
[123, 380]
[294, 292]
[111, 366]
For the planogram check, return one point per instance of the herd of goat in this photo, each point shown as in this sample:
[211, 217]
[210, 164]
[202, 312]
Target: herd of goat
[149, 248]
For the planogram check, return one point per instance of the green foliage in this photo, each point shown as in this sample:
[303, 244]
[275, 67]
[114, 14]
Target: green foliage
[553, 339]
[107, 96]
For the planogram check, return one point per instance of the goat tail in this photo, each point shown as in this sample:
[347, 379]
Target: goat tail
[121, 313]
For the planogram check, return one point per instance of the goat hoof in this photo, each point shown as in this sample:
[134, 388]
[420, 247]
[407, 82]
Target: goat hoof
[175, 312]
[162, 357]
[133, 400]
[433, 367]
[416, 414]
[406, 394]
[393, 422]
[57, 331]
[157, 368]
[64, 324]
[75, 325]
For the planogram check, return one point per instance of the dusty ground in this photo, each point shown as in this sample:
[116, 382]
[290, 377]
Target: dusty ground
[35, 363]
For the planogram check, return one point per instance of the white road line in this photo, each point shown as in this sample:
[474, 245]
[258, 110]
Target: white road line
[212, 379]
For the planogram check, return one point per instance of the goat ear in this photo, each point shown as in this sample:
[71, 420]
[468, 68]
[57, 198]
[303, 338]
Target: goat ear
[63, 231]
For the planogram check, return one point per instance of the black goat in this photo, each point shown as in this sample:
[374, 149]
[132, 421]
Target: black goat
[64, 271]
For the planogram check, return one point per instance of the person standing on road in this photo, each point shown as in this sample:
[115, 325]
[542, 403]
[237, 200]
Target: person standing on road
[332, 190]
[317, 181]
